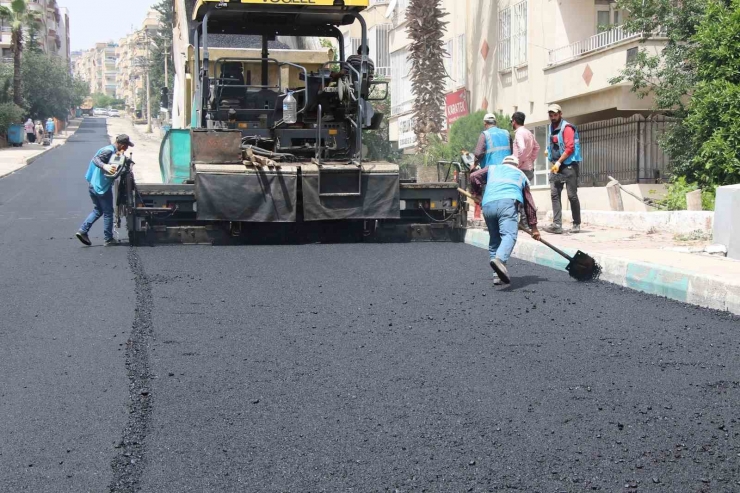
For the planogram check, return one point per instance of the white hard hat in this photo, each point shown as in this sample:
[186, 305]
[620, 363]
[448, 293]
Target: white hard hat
[554, 108]
[489, 118]
[512, 160]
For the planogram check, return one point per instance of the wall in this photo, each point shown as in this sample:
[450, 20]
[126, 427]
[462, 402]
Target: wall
[596, 198]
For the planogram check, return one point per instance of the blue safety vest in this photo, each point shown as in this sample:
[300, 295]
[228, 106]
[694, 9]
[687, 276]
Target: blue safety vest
[557, 144]
[497, 146]
[95, 176]
[504, 182]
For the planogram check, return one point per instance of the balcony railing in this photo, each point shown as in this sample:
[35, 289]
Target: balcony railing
[384, 71]
[379, 2]
[597, 42]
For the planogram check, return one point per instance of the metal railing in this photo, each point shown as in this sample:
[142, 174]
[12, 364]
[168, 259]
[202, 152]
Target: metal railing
[626, 148]
[379, 2]
[597, 42]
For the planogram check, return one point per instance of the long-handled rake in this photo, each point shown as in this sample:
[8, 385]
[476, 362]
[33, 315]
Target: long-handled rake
[581, 267]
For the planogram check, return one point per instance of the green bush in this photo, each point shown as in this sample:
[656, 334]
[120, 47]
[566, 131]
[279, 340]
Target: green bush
[9, 113]
[463, 135]
[675, 199]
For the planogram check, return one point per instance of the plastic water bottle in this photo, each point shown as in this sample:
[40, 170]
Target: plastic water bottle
[290, 109]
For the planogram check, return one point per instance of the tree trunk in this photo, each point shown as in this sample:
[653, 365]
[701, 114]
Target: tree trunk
[17, 87]
[425, 30]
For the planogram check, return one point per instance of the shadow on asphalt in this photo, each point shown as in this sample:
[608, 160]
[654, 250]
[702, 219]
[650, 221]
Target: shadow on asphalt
[523, 282]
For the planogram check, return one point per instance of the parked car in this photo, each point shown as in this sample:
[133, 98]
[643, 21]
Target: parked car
[99, 112]
[113, 113]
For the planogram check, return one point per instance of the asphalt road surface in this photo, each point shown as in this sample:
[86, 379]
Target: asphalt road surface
[338, 367]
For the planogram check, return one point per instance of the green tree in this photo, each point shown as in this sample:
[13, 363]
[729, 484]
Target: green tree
[695, 79]
[160, 51]
[101, 100]
[49, 89]
[18, 15]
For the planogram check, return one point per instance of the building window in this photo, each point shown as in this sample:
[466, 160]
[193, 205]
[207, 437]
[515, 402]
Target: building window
[380, 54]
[449, 80]
[460, 68]
[519, 34]
[512, 27]
[504, 36]
[351, 45]
[607, 17]
[402, 96]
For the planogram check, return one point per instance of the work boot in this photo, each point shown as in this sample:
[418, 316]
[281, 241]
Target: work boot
[83, 238]
[500, 269]
[576, 228]
[554, 229]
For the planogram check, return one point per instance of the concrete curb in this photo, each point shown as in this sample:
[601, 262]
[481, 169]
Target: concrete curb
[687, 287]
[31, 159]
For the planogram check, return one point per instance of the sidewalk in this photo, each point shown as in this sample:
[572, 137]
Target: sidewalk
[641, 261]
[14, 158]
[145, 151]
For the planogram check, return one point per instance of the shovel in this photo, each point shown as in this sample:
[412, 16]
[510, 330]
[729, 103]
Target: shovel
[581, 267]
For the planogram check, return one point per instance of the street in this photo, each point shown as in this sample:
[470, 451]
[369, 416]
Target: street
[350, 367]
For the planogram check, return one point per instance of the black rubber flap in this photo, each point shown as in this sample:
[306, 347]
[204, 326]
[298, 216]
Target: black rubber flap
[262, 197]
[379, 199]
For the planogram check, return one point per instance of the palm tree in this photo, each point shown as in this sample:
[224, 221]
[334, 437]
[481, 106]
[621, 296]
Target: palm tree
[426, 29]
[18, 15]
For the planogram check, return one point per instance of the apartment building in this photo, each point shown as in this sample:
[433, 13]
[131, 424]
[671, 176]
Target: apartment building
[52, 31]
[521, 55]
[132, 56]
[98, 66]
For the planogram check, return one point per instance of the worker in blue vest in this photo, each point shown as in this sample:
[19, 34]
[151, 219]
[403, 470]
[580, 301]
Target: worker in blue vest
[564, 154]
[506, 187]
[494, 143]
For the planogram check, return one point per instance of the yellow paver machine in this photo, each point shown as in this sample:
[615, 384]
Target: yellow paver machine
[274, 151]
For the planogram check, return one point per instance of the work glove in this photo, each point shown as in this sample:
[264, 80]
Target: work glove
[109, 169]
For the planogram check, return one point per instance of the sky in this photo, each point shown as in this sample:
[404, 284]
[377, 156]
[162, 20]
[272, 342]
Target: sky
[95, 21]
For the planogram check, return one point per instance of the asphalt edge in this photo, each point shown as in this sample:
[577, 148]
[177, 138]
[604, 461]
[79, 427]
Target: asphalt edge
[688, 287]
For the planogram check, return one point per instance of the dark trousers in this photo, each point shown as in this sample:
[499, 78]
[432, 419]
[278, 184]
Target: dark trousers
[522, 215]
[567, 177]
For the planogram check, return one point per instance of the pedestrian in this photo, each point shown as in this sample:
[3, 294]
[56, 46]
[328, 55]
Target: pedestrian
[525, 150]
[564, 154]
[506, 187]
[494, 143]
[101, 190]
[39, 128]
[29, 131]
[50, 128]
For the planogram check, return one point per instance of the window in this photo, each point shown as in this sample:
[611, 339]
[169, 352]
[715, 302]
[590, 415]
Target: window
[504, 34]
[607, 17]
[351, 45]
[379, 41]
[402, 96]
[519, 34]
[449, 82]
[512, 29]
[460, 69]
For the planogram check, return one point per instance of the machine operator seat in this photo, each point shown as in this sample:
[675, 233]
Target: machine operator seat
[232, 74]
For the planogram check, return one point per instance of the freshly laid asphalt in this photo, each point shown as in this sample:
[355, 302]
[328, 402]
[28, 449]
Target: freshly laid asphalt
[354, 367]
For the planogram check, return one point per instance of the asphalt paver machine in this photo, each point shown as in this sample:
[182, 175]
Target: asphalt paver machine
[274, 151]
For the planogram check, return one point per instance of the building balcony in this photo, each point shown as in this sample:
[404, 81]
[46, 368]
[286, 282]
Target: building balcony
[598, 42]
[577, 76]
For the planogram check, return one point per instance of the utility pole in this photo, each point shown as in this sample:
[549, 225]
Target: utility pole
[148, 103]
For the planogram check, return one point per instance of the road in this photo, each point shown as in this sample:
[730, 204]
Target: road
[338, 367]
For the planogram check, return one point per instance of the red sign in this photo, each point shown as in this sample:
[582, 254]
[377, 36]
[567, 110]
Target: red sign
[456, 106]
